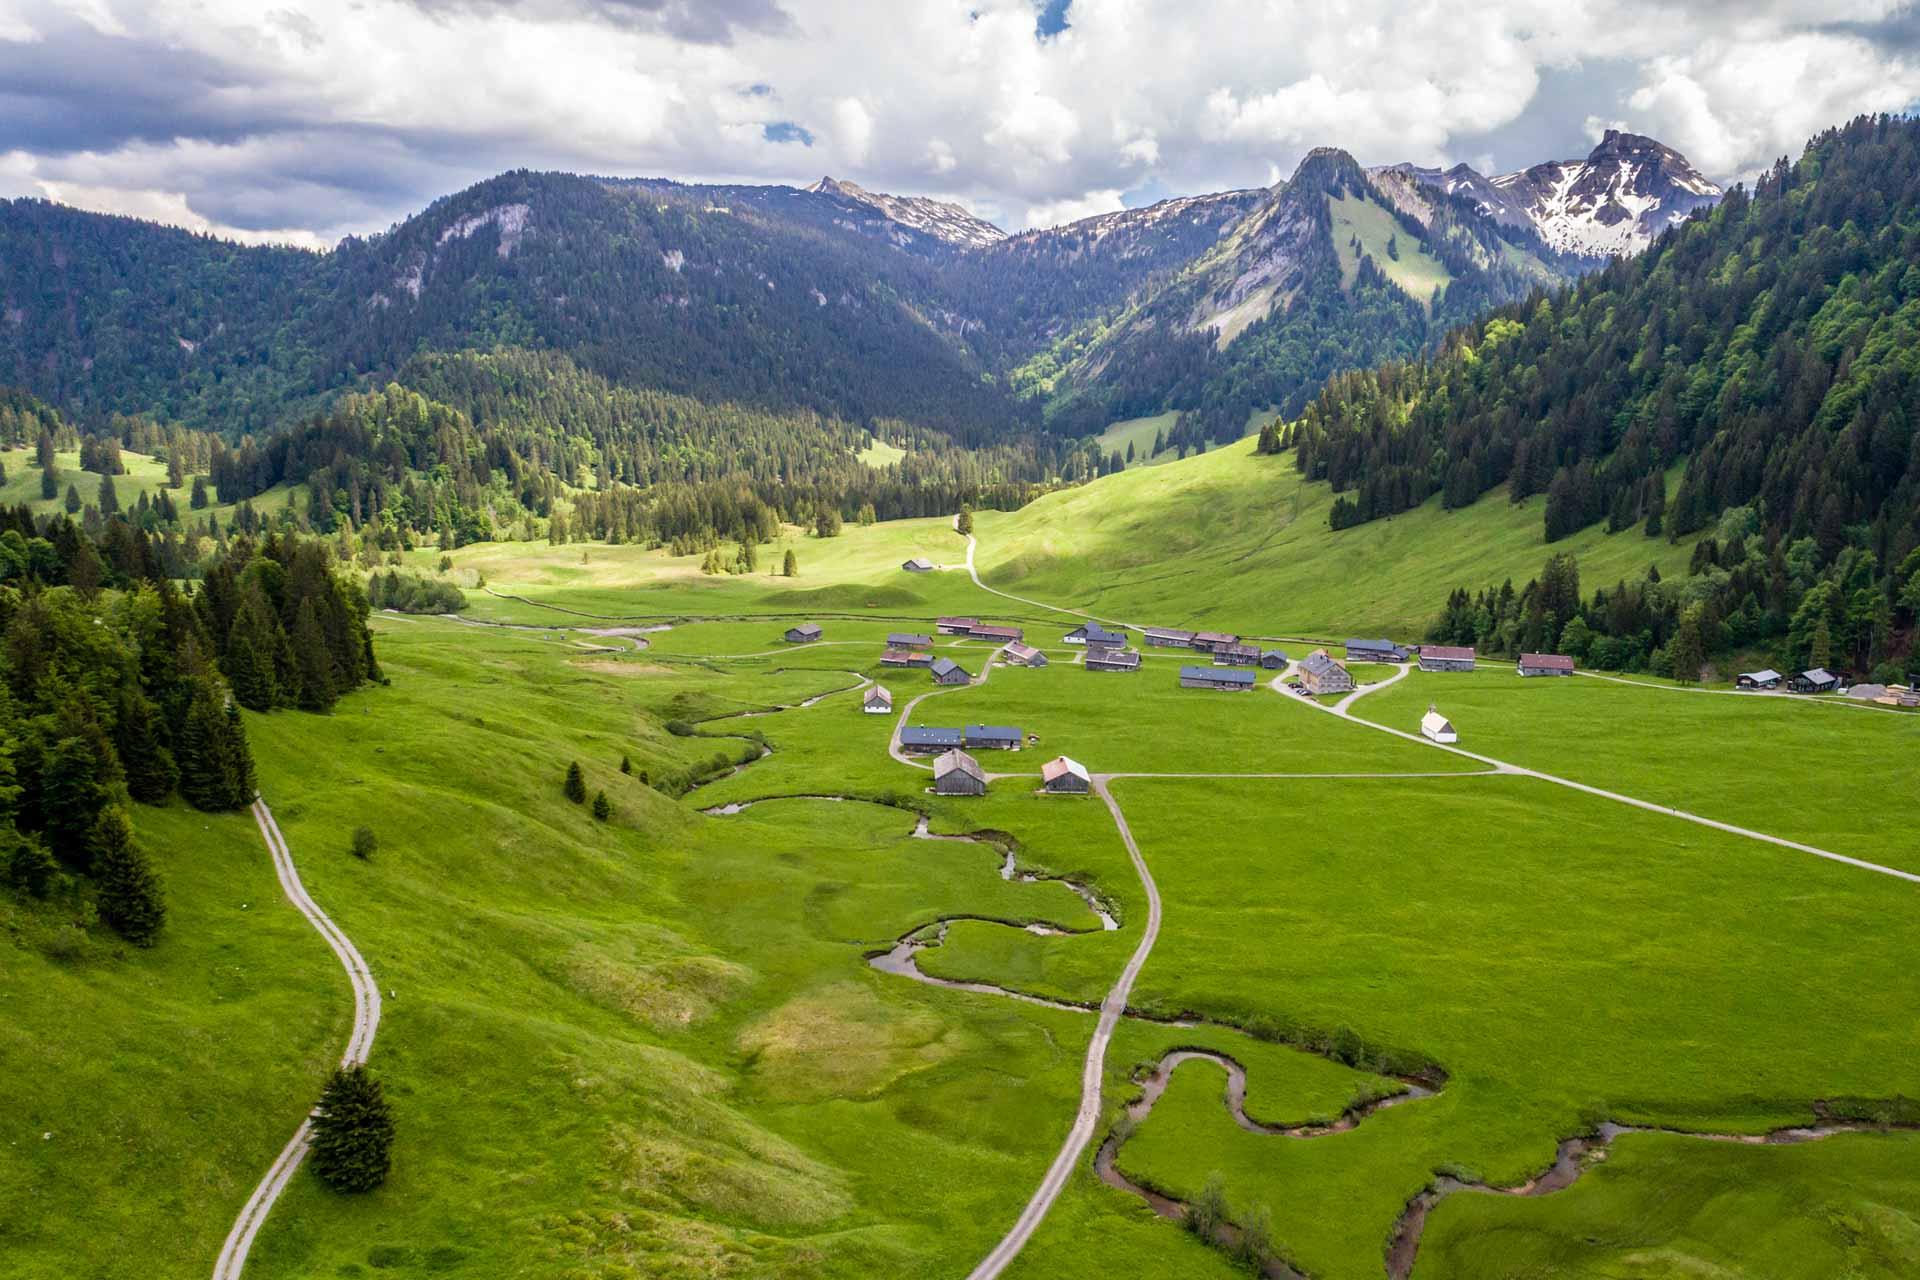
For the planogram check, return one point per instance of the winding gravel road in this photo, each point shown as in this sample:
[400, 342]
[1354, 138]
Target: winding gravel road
[366, 1018]
[1090, 1077]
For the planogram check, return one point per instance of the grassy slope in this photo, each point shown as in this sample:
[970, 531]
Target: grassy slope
[144, 475]
[1416, 271]
[1140, 433]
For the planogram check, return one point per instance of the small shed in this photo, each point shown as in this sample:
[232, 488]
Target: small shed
[1375, 651]
[958, 774]
[1446, 657]
[1765, 678]
[1437, 727]
[1818, 680]
[805, 633]
[947, 671]
[993, 737]
[908, 640]
[878, 702]
[1105, 659]
[919, 564]
[1545, 664]
[1228, 679]
[920, 740]
[1273, 659]
[1064, 776]
[1021, 654]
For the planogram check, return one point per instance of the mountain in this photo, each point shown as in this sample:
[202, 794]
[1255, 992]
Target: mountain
[944, 221]
[1769, 345]
[1618, 200]
[1330, 270]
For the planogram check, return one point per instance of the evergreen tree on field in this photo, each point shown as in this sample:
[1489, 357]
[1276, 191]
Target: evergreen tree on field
[49, 486]
[576, 784]
[209, 777]
[107, 499]
[352, 1132]
[199, 499]
[790, 567]
[253, 644]
[72, 793]
[312, 660]
[151, 772]
[626, 764]
[130, 895]
[1689, 650]
[26, 864]
[176, 473]
[965, 523]
[239, 758]
[602, 808]
[73, 503]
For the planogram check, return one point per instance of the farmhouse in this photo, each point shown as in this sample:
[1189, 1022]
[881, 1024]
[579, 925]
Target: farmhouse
[955, 626]
[1445, 657]
[1375, 651]
[947, 671]
[1104, 659]
[1093, 634]
[878, 701]
[918, 564]
[998, 635]
[1227, 678]
[805, 633]
[1237, 655]
[1818, 680]
[1024, 655]
[920, 740]
[1168, 638]
[1208, 641]
[1273, 659]
[908, 640]
[1062, 776]
[1321, 674]
[1766, 678]
[905, 658]
[992, 737]
[958, 774]
[1545, 664]
[1436, 726]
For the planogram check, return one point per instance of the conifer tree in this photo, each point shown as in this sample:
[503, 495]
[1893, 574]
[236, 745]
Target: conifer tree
[107, 499]
[790, 568]
[626, 764]
[151, 772]
[313, 662]
[208, 777]
[28, 866]
[602, 808]
[198, 501]
[352, 1132]
[130, 895]
[239, 758]
[576, 785]
[72, 793]
[252, 645]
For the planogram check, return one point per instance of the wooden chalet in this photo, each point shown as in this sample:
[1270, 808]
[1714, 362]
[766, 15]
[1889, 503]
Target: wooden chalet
[920, 740]
[805, 633]
[1765, 678]
[1375, 651]
[878, 702]
[1062, 776]
[905, 658]
[1021, 654]
[1105, 659]
[947, 671]
[919, 564]
[1818, 680]
[997, 635]
[1227, 679]
[1319, 673]
[992, 737]
[1273, 659]
[1446, 657]
[1208, 641]
[1544, 664]
[1437, 727]
[955, 626]
[908, 640]
[1237, 655]
[958, 774]
[1093, 635]
[1168, 638]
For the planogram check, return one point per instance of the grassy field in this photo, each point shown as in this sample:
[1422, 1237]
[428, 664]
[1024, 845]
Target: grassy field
[1140, 433]
[655, 1046]
[144, 475]
[881, 454]
[1414, 269]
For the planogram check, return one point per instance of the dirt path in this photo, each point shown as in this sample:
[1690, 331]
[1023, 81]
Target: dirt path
[366, 1019]
[1037, 604]
[1088, 1115]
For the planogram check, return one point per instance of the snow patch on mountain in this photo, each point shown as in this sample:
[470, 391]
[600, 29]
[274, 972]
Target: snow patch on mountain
[940, 219]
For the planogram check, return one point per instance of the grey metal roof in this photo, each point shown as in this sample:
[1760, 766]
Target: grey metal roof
[806, 628]
[908, 640]
[958, 760]
[1374, 646]
[941, 666]
[995, 732]
[1318, 662]
[1218, 675]
[919, 736]
[1819, 675]
[1763, 676]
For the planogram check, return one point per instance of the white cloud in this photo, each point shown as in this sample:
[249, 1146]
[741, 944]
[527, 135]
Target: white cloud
[958, 100]
[1056, 212]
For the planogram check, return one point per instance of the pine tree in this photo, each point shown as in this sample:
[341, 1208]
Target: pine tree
[151, 772]
[28, 866]
[199, 499]
[576, 785]
[352, 1132]
[239, 758]
[602, 809]
[252, 645]
[130, 895]
[626, 765]
[1688, 651]
[965, 523]
[790, 568]
[107, 499]
[209, 777]
[72, 793]
[312, 660]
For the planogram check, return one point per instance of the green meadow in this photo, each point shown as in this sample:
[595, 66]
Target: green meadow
[655, 1046]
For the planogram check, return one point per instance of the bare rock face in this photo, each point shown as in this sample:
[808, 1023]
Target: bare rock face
[938, 218]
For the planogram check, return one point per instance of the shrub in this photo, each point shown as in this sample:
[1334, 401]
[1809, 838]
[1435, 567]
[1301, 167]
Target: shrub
[352, 1132]
[365, 843]
[1209, 1209]
[30, 868]
[680, 728]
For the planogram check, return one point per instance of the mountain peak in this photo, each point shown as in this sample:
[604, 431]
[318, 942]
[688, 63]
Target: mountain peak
[941, 219]
[1327, 169]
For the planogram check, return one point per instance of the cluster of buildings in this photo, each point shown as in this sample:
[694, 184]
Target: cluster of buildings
[955, 773]
[921, 740]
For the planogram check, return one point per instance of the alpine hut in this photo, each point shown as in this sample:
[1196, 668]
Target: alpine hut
[805, 633]
[1062, 776]
[1230, 679]
[1765, 678]
[947, 671]
[958, 774]
[1102, 658]
[1436, 726]
[878, 702]
[1446, 657]
[1818, 680]
[1545, 664]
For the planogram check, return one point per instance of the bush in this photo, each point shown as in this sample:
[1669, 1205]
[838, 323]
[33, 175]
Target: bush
[352, 1132]
[365, 843]
[1208, 1211]
[411, 593]
[680, 728]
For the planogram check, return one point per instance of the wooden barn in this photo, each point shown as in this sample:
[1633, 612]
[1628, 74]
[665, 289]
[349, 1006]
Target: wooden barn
[805, 633]
[919, 564]
[1765, 678]
[908, 640]
[956, 626]
[1273, 659]
[1208, 641]
[1064, 777]
[1818, 680]
[1544, 664]
[1437, 727]
[1319, 673]
[1228, 679]
[878, 702]
[947, 671]
[1446, 657]
[1168, 638]
[997, 635]
[920, 740]
[1375, 651]
[1092, 634]
[1105, 659]
[992, 737]
[905, 658]
[958, 774]
[1021, 654]
[1237, 655]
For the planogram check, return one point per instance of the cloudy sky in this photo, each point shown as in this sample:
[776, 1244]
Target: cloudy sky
[305, 120]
